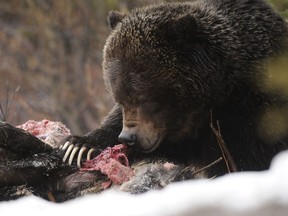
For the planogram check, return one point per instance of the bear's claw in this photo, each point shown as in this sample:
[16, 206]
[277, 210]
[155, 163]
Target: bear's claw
[72, 150]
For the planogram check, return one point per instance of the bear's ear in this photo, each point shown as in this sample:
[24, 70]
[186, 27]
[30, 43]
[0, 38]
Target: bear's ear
[114, 17]
[182, 29]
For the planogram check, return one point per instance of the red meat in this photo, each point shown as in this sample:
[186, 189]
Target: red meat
[113, 163]
[48, 131]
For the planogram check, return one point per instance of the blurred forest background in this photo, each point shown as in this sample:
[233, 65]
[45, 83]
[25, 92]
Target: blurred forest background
[51, 55]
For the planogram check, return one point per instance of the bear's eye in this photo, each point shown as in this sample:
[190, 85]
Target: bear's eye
[150, 107]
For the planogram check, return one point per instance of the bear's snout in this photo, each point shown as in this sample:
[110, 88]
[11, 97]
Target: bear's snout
[127, 138]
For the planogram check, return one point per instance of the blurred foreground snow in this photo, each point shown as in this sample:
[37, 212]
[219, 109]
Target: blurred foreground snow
[249, 193]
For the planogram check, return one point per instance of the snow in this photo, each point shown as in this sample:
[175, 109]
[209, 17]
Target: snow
[247, 193]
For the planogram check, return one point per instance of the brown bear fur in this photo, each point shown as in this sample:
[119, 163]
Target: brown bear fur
[171, 67]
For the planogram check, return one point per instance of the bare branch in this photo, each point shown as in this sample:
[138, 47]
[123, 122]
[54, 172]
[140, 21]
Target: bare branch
[229, 161]
[208, 166]
[2, 117]
[7, 104]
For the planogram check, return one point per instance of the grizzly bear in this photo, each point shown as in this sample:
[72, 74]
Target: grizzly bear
[178, 70]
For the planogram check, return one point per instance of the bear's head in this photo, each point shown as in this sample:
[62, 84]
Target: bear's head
[157, 67]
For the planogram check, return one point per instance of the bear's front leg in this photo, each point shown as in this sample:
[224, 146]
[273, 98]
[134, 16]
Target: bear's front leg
[95, 141]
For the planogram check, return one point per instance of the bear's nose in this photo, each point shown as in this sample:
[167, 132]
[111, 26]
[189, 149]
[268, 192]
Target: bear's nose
[127, 138]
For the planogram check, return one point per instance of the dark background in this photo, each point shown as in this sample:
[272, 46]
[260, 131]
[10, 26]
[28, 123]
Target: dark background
[50, 59]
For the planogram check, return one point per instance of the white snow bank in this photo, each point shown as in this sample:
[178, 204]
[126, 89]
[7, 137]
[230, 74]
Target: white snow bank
[249, 193]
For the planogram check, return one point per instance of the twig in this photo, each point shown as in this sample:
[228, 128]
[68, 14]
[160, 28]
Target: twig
[50, 196]
[231, 166]
[2, 115]
[6, 107]
[213, 177]
[187, 168]
[208, 166]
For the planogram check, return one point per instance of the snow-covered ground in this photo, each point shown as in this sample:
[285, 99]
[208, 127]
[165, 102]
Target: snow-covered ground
[250, 193]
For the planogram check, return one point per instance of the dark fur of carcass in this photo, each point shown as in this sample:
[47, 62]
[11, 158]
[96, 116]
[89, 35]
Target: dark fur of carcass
[26, 160]
[30, 166]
